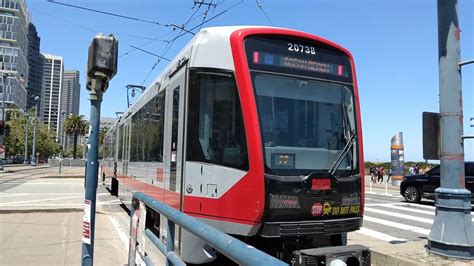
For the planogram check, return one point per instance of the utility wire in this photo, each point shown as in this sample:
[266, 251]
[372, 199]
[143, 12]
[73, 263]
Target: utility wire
[167, 48]
[145, 51]
[81, 27]
[122, 16]
[263, 11]
[209, 5]
[147, 43]
[212, 18]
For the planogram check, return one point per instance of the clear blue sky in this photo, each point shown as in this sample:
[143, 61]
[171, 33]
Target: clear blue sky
[394, 44]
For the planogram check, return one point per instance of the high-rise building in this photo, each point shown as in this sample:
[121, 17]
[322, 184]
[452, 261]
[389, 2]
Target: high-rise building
[53, 69]
[13, 52]
[35, 62]
[70, 97]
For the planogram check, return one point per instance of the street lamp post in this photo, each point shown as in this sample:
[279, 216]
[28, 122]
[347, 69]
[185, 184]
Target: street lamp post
[63, 139]
[25, 160]
[5, 76]
[35, 122]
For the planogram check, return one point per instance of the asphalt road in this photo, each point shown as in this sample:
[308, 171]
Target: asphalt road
[388, 217]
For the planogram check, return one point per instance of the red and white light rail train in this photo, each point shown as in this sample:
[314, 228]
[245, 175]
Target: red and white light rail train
[253, 130]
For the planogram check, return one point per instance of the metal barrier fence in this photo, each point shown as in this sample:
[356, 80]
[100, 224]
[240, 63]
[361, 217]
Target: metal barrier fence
[234, 249]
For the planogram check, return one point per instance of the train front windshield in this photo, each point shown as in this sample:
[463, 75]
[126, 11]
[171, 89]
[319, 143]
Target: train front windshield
[305, 124]
[306, 107]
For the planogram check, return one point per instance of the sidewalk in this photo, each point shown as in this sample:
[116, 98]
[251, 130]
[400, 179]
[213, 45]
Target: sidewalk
[40, 235]
[412, 253]
[41, 238]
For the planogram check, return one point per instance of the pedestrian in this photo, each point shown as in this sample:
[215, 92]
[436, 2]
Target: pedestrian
[417, 169]
[380, 171]
[372, 174]
[389, 174]
[411, 170]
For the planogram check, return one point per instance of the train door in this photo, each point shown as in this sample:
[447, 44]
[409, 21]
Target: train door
[174, 142]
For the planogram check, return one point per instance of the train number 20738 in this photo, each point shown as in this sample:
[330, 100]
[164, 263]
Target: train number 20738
[301, 48]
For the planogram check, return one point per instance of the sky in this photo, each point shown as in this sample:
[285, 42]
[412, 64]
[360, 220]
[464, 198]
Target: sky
[394, 44]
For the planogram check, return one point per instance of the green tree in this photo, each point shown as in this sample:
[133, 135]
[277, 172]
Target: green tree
[46, 145]
[75, 125]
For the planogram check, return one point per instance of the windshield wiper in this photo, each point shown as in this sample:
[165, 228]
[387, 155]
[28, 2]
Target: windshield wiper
[343, 153]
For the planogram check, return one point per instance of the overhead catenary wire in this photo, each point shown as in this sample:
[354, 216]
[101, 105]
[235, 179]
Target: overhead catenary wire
[168, 46]
[122, 16]
[259, 5]
[81, 27]
[150, 53]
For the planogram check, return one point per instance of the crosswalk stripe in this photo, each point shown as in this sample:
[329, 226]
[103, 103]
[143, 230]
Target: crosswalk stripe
[410, 209]
[417, 205]
[379, 235]
[411, 228]
[400, 215]
[394, 206]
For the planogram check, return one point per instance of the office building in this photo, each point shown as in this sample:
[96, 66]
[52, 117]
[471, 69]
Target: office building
[53, 69]
[35, 62]
[14, 52]
[70, 97]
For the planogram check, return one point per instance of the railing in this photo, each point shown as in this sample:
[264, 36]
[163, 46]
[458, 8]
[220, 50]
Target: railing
[233, 248]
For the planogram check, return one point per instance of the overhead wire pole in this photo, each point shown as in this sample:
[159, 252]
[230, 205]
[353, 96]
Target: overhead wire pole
[452, 233]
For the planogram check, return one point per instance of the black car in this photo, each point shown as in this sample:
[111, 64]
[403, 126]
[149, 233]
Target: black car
[414, 187]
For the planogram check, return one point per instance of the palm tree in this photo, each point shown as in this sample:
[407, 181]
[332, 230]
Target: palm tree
[75, 125]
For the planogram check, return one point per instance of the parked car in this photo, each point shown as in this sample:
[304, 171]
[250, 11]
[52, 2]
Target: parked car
[415, 187]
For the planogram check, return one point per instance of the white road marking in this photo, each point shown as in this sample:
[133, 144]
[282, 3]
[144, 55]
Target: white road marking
[67, 204]
[418, 205]
[415, 229]
[13, 194]
[410, 209]
[400, 215]
[383, 194]
[379, 235]
[123, 236]
[39, 200]
[415, 206]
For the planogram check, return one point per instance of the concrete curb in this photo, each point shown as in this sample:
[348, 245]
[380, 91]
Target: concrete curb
[378, 258]
[79, 209]
[65, 176]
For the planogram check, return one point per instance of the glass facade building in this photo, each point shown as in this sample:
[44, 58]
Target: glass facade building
[70, 97]
[14, 68]
[35, 62]
[53, 69]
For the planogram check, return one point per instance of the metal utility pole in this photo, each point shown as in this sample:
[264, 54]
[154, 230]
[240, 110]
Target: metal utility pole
[452, 233]
[26, 139]
[2, 122]
[101, 68]
[35, 122]
[63, 139]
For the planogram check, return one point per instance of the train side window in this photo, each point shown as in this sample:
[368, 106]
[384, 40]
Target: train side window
[216, 131]
[120, 144]
[155, 129]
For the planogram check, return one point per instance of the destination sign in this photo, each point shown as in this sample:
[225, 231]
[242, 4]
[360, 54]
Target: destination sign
[298, 63]
[297, 56]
